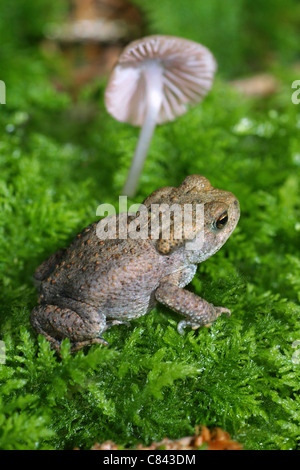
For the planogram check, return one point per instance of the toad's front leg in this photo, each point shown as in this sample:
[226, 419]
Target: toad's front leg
[197, 310]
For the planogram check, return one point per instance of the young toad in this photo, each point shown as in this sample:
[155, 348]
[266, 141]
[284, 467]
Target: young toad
[94, 284]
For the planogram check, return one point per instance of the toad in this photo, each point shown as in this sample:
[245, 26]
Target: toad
[94, 284]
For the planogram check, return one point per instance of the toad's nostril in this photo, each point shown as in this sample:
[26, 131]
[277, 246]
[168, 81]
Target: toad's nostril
[236, 202]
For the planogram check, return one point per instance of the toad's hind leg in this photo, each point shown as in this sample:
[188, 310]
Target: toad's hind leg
[57, 323]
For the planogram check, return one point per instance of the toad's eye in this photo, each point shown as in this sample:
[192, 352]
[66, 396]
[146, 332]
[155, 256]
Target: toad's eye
[222, 220]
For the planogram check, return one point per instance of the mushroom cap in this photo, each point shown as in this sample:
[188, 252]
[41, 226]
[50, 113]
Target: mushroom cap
[187, 72]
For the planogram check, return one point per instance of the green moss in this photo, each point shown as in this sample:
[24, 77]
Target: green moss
[58, 161]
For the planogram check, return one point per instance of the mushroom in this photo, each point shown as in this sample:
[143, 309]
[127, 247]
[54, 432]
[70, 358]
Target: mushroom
[153, 82]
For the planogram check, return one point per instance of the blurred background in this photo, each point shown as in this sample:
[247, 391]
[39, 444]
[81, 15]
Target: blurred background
[81, 39]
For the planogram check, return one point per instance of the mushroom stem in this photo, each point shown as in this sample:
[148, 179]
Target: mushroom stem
[152, 74]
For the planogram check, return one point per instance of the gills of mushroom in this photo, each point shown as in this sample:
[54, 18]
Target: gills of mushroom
[154, 81]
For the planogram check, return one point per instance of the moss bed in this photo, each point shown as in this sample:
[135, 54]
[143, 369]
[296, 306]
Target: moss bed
[58, 161]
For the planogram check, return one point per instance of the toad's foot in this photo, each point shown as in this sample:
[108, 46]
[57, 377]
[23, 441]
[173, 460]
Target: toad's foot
[81, 344]
[186, 323]
[111, 323]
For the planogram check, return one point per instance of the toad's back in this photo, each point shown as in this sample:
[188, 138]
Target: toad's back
[108, 274]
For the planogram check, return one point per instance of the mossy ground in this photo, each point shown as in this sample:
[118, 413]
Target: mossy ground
[56, 168]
